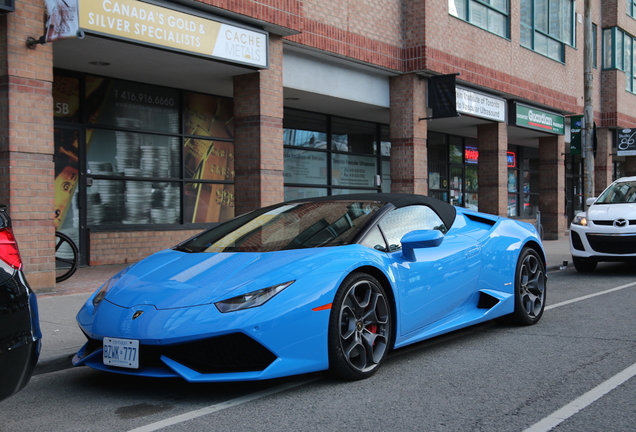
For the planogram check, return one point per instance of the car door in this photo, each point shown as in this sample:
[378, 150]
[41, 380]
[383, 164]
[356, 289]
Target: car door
[441, 278]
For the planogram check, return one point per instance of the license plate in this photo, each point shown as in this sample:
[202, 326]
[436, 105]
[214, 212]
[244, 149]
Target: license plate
[121, 352]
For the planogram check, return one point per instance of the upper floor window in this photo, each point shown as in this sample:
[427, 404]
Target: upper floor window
[618, 53]
[491, 15]
[547, 26]
[631, 8]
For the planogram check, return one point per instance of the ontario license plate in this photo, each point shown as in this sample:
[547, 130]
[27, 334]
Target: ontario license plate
[121, 352]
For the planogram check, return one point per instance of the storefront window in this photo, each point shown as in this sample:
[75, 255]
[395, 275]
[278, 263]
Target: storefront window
[204, 202]
[141, 146]
[66, 94]
[353, 170]
[302, 166]
[131, 154]
[353, 136]
[128, 105]
[338, 155]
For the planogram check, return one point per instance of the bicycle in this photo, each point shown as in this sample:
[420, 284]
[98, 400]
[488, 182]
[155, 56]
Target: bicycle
[66, 257]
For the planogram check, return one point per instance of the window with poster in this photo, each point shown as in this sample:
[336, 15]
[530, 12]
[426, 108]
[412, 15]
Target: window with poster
[452, 169]
[523, 181]
[152, 155]
[328, 155]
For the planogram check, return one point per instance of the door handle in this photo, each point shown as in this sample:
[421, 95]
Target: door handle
[473, 251]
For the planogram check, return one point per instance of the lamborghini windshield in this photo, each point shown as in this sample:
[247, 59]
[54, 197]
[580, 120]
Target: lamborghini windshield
[619, 192]
[289, 226]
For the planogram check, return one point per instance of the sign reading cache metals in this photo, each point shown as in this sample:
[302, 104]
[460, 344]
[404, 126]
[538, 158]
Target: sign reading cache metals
[154, 25]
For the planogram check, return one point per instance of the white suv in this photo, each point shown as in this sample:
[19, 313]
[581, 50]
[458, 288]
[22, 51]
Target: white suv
[607, 231]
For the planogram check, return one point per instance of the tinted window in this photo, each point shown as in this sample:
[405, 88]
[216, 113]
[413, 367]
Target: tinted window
[406, 219]
[291, 226]
[623, 192]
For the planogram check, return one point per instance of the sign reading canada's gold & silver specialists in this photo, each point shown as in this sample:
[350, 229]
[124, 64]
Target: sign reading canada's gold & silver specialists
[150, 24]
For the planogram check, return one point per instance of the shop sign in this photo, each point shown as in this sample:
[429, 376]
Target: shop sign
[480, 105]
[353, 171]
[511, 159]
[303, 166]
[61, 20]
[471, 154]
[153, 25]
[626, 144]
[537, 119]
[576, 128]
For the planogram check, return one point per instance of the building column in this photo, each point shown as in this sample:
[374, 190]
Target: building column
[409, 169]
[26, 144]
[258, 134]
[552, 186]
[603, 161]
[492, 141]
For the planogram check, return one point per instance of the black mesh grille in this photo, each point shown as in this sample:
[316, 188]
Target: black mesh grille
[235, 352]
[577, 243]
[619, 245]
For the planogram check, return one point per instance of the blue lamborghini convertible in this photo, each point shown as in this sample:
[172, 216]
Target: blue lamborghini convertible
[330, 283]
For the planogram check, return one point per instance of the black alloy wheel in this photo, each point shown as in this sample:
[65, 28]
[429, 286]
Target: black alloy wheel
[530, 288]
[360, 327]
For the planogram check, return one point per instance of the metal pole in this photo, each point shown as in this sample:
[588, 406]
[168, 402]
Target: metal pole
[588, 154]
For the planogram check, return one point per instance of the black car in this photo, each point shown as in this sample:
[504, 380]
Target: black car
[20, 335]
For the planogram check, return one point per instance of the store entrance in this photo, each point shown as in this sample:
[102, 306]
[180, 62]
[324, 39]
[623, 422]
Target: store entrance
[573, 186]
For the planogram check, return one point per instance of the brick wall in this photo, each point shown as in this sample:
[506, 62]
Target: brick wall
[26, 143]
[552, 186]
[493, 169]
[258, 119]
[127, 247]
[409, 170]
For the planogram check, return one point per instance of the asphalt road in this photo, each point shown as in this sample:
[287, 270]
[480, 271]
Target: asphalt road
[571, 372]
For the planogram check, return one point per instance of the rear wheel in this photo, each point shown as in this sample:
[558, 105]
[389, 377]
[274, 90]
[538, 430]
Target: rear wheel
[530, 288]
[360, 327]
[583, 265]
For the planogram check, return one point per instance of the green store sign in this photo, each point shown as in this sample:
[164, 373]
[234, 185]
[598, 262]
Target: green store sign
[533, 118]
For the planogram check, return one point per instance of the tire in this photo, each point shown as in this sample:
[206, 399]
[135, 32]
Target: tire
[530, 288]
[360, 328]
[583, 265]
[66, 257]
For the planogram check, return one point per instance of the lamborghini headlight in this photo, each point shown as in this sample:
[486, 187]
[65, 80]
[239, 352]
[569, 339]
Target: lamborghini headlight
[251, 299]
[580, 219]
[101, 294]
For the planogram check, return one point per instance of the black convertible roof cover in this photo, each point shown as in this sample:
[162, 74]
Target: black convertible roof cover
[445, 211]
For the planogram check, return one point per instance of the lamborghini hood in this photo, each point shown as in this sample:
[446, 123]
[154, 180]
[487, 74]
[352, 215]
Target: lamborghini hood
[172, 279]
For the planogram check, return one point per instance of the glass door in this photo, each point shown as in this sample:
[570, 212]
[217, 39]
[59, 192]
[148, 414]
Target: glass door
[67, 213]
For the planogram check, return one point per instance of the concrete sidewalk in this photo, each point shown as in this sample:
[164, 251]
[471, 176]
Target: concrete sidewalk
[61, 337]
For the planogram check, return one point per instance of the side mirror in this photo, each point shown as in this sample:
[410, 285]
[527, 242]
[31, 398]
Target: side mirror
[590, 201]
[420, 240]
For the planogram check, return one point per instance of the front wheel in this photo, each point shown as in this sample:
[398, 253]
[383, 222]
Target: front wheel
[530, 288]
[360, 328]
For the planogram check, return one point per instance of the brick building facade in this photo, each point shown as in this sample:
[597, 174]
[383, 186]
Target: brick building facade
[349, 77]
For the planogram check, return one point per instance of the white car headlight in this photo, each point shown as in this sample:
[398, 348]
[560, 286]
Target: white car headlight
[251, 299]
[580, 219]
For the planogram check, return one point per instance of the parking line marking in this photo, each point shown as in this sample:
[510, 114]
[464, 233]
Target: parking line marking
[593, 395]
[578, 299]
[218, 407]
[585, 400]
